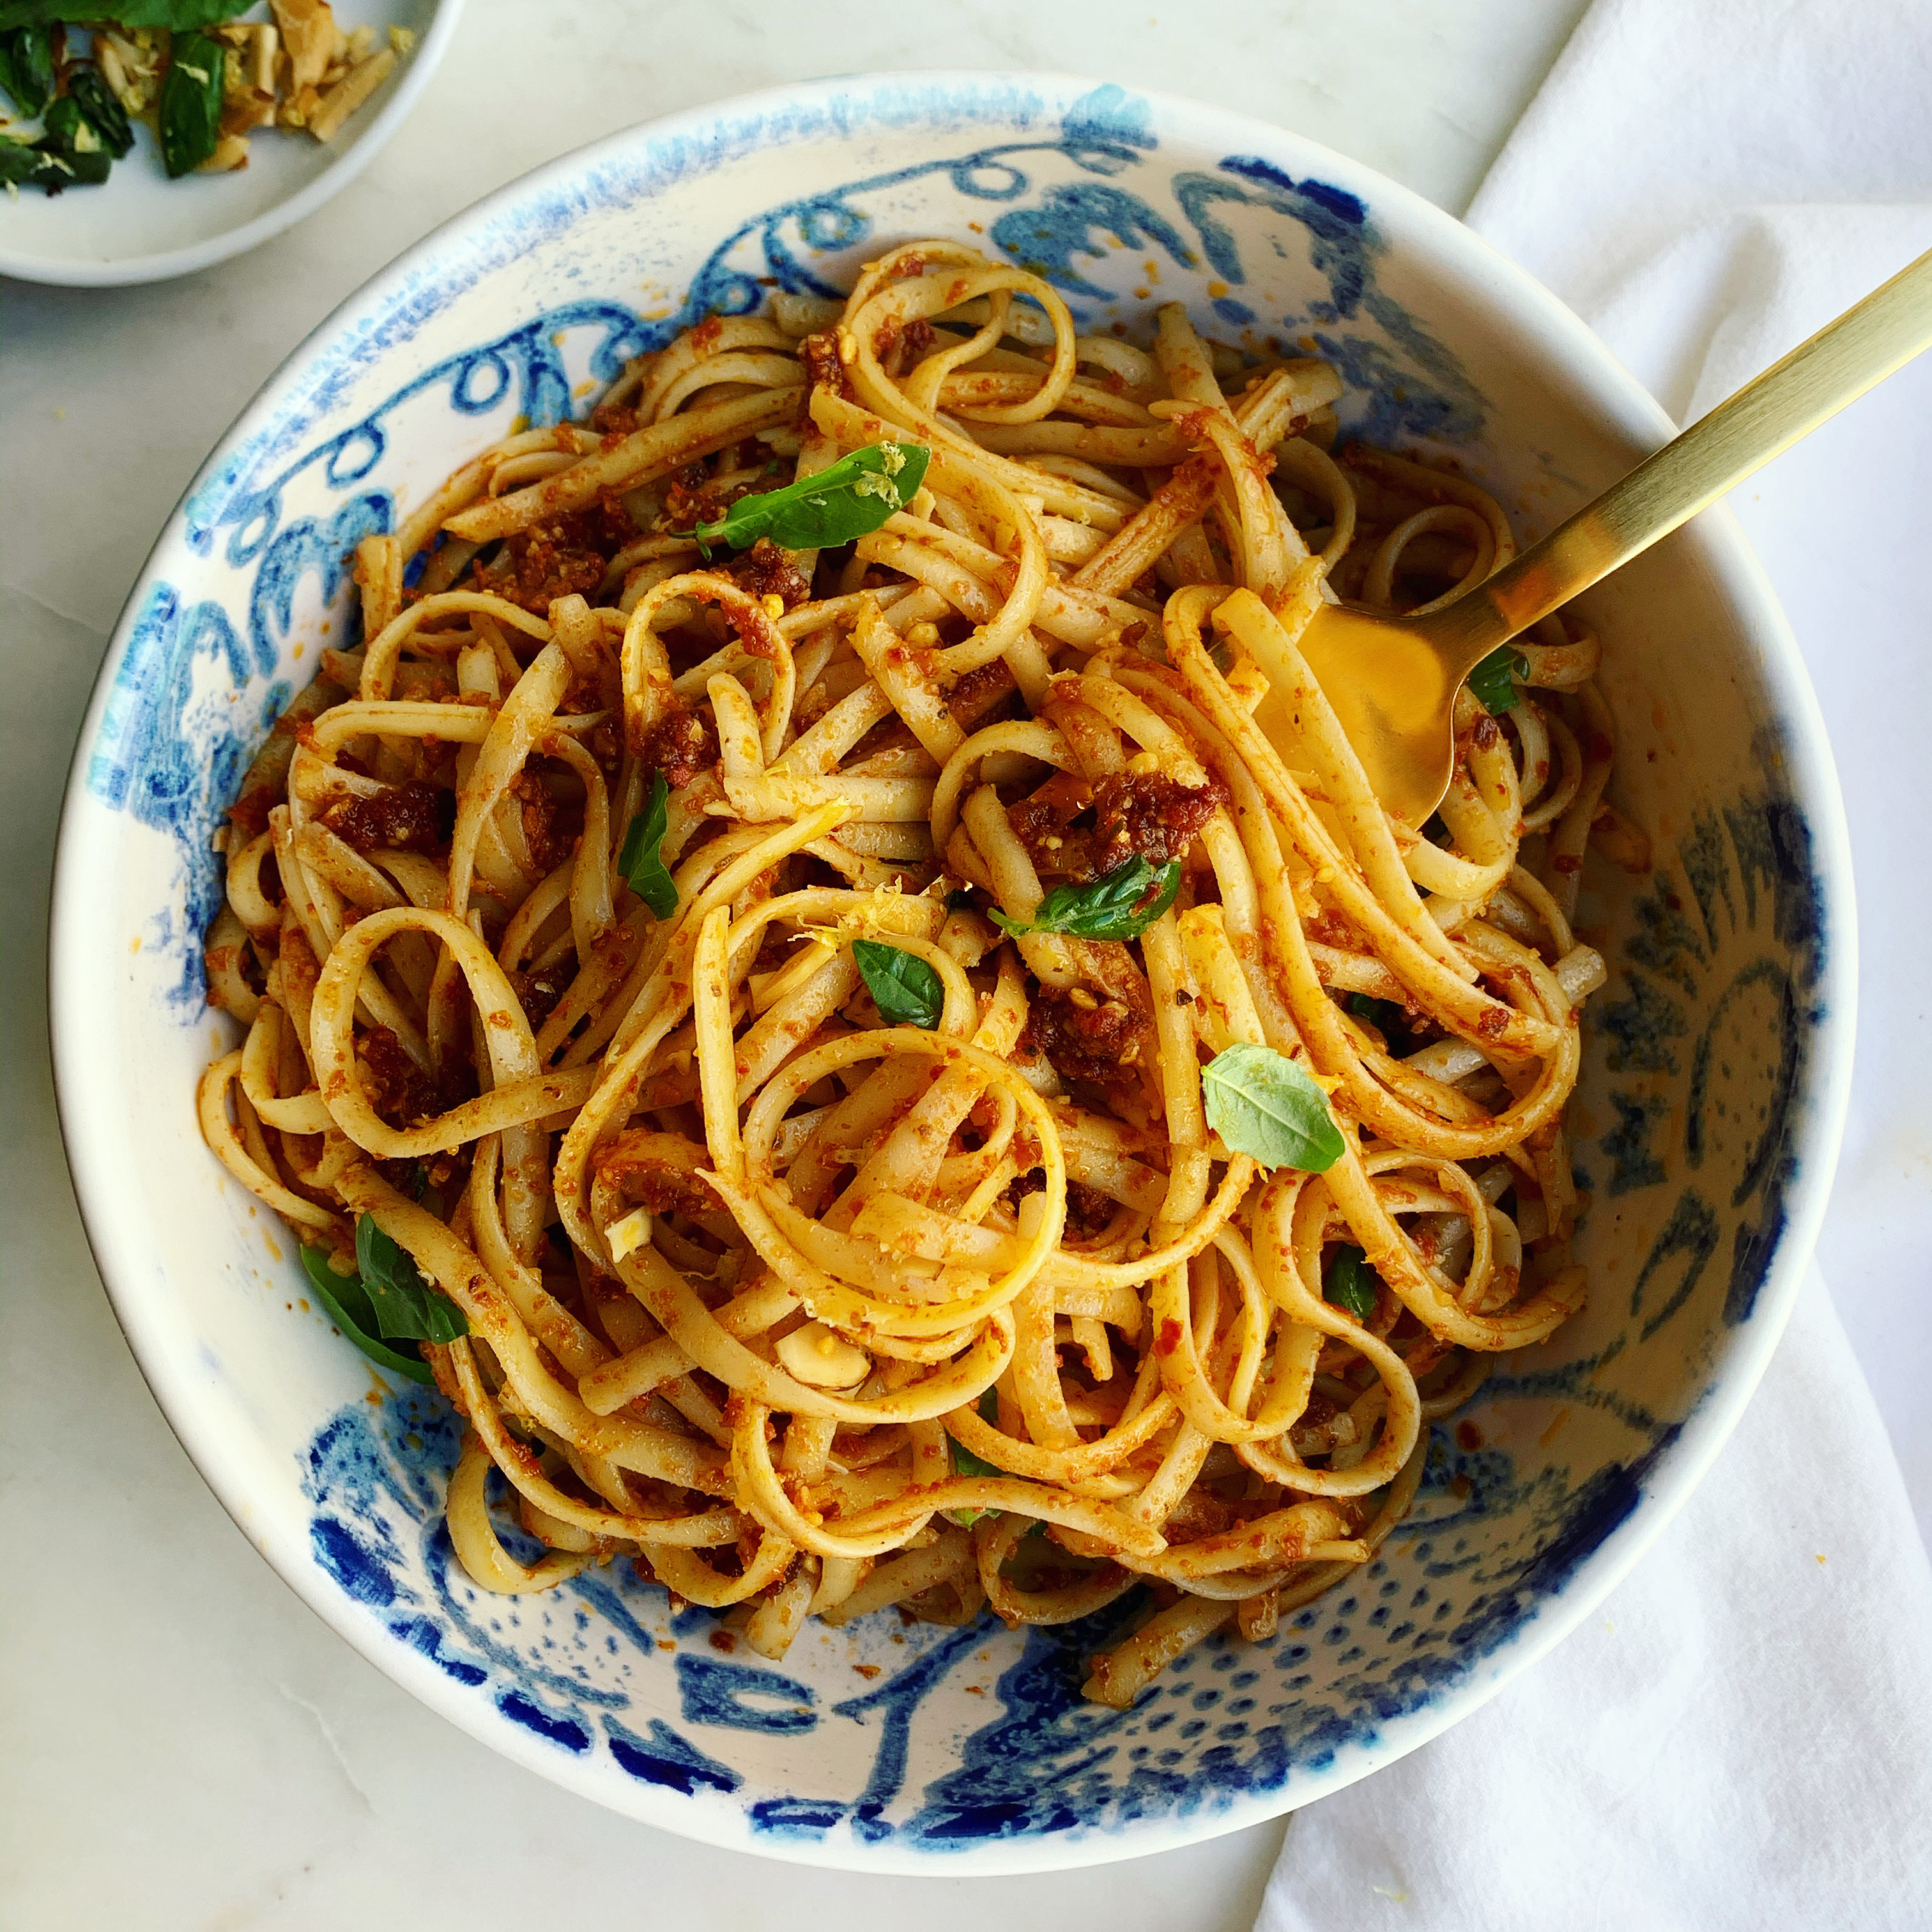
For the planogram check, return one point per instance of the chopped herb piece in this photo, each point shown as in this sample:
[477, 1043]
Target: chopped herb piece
[1350, 1283]
[1494, 680]
[190, 116]
[105, 114]
[1380, 1014]
[42, 164]
[853, 496]
[27, 68]
[965, 1463]
[68, 130]
[1121, 905]
[640, 858]
[905, 989]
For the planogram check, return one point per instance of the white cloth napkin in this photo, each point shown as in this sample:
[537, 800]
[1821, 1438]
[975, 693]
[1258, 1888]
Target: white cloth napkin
[1742, 1737]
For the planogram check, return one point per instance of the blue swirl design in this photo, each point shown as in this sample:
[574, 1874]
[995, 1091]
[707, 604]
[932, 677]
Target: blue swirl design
[1702, 948]
[605, 1669]
[176, 737]
[1414, 387]
[583, 1669]
[526, 368]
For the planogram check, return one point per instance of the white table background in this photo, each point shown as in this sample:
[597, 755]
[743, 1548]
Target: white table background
[183, 1747]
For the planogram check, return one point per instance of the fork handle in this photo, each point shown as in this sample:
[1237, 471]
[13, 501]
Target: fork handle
[1792, 397]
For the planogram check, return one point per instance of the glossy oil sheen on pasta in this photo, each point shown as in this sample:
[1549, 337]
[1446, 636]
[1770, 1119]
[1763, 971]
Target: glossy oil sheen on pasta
[807, 1312]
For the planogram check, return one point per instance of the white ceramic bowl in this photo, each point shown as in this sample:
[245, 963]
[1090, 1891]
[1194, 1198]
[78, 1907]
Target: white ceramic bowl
[140, 227]
[1707, 1122]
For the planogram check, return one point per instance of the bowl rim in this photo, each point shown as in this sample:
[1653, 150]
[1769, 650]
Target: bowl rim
[1448, 250]
[127, 271]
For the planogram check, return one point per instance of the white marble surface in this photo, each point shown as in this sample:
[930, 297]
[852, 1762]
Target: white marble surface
[186, 1748]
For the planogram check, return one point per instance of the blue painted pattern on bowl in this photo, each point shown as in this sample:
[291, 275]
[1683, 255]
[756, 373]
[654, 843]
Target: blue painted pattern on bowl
[1704, 1130]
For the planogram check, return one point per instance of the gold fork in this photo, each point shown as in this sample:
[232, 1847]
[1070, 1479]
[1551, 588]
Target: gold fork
[1393, 681]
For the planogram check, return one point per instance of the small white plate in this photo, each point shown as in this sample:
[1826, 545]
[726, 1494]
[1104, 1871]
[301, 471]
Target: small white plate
[140, 227]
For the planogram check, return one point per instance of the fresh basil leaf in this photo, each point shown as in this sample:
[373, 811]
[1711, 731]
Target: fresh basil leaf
[407, 1307]
[182, 16]
[348, 1306]
[27, 68]
[1265, 1105]
[1351, 1284]
[640, 858]
[965, 1463]
[105, 114]
[1120, 905]
[1494, 680]
[905, 989]
[853, 496]
[191, 117]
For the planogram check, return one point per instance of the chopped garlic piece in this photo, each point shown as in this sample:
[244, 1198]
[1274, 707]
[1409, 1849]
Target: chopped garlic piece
[348, 94]
[258, 45]
[627, 1236]
[308, 37]
[822, 1358]
[130, 59]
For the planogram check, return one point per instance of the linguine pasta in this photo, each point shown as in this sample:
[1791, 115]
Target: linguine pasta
[614, 934]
